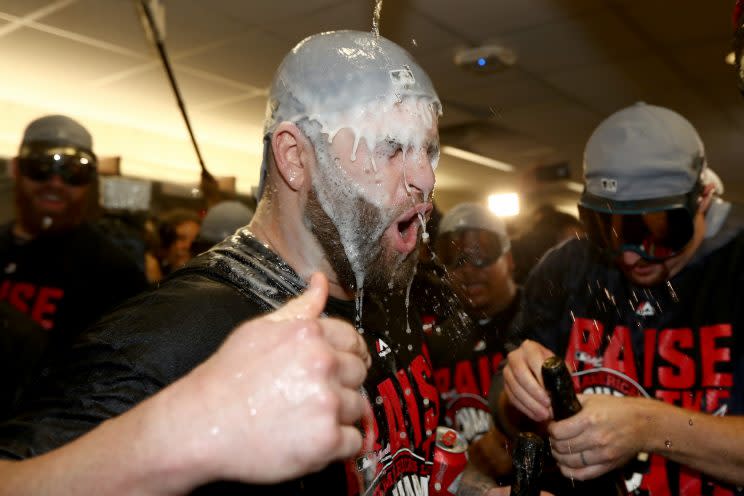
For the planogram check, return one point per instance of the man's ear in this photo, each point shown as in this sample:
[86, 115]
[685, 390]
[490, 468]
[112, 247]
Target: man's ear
[288, 144]
[706, 197]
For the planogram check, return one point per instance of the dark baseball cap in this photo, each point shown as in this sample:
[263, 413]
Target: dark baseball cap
[55, 134]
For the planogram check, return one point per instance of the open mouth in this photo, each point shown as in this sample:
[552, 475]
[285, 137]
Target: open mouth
[406, 228]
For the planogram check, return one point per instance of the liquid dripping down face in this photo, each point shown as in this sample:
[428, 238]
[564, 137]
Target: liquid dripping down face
[372, 181]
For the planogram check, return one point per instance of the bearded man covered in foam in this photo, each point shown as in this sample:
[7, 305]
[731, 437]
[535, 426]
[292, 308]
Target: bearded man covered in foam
[350, 148]
[375, 141]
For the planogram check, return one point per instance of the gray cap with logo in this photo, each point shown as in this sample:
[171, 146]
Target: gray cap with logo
[467, 216]
[643, 152]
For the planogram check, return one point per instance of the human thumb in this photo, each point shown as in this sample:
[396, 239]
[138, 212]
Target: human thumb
[309, 305]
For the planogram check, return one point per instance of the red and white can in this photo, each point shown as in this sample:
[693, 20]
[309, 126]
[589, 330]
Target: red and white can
[450, 459]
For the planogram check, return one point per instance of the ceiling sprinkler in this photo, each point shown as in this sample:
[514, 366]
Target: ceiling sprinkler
[485, 58]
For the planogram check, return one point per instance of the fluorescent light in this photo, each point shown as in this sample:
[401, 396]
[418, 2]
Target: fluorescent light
[504, 204]
[477, 159]
[575, 186]
[731, 58]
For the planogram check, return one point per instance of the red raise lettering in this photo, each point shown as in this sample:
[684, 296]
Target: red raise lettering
[443, 379]
[619, 353]
[711, 355]
[689, 481]
[45, 306]
[394, 415]
[485, 374]
[681, 375]
[4, 290]
[20, 296]
[655, 482]
[496, 361]
[412, 404]
[722, 491]
[465, 378]
[421, 372]
[714, 398]
[671, 397]
[692, 400]
[586, 336]
[649, 352]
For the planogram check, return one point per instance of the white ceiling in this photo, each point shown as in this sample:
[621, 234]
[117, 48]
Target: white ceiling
[578, 61]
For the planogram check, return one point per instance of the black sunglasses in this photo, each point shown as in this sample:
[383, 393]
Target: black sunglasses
[453, 252]
[74, 170]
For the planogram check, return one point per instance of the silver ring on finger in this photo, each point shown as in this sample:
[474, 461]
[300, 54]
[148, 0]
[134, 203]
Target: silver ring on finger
[583, 460]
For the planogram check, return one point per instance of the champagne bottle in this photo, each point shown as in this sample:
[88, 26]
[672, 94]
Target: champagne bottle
[560, 387]
[527, 460]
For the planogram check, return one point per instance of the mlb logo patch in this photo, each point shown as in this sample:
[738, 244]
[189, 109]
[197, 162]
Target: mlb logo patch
[382, 348]
[609, 185]
[402, 78]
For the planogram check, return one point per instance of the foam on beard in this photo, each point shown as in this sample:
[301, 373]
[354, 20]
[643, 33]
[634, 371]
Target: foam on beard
[406, 122]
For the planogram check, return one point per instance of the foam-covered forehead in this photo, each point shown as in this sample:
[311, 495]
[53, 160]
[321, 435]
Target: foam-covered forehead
[330, 72]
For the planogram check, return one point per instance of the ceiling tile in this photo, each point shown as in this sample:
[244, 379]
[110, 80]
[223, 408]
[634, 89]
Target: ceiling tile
[22, 7]
[348, 15]
[257, 13]
[477, 20]
[241, 60]
[33, 53]
[681, 21]
[85, 17]
[596, 37]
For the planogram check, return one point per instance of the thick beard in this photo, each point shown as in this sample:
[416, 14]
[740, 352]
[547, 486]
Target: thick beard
[38, 223]
[383, 271]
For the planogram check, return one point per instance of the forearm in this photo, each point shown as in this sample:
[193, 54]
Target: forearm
[125, 455]
[709, 444]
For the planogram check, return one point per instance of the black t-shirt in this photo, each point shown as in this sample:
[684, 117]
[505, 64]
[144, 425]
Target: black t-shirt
[466, 354]
[60, 284]
[161, 335]
[679, 342]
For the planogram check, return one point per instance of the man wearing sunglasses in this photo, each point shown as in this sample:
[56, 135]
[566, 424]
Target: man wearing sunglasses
[648, 311]
[55, 269]
[474, 247]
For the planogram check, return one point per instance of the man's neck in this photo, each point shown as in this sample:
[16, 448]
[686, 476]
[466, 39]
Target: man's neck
[287, 236]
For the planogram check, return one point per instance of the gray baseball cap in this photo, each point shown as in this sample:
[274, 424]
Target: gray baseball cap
[223, 219]
[642, 158]
[328, 74]
[467, 216]
[55, 132]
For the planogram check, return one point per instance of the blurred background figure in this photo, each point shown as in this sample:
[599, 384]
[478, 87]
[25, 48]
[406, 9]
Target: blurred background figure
[549, 227]
[177, 230]
[221, 221]
[474, 247]
[58, 274]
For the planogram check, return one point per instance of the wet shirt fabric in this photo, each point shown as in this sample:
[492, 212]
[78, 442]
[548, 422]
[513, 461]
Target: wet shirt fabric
[161, 335]
[466, 354]
[51, 289]
[679, 342]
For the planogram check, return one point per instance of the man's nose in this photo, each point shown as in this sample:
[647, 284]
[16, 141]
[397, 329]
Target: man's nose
[419, 173]
[630, 257]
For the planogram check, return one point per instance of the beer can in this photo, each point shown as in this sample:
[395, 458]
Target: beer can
[450, 459]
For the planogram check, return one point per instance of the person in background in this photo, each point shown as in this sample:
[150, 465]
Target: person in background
[221, 221]
[647, 309]
[474, 247]
[56, 270]
[550, 227]
[177, 230]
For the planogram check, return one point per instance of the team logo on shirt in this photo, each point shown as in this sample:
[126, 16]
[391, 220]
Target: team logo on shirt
[645, 309]
[382, 348]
